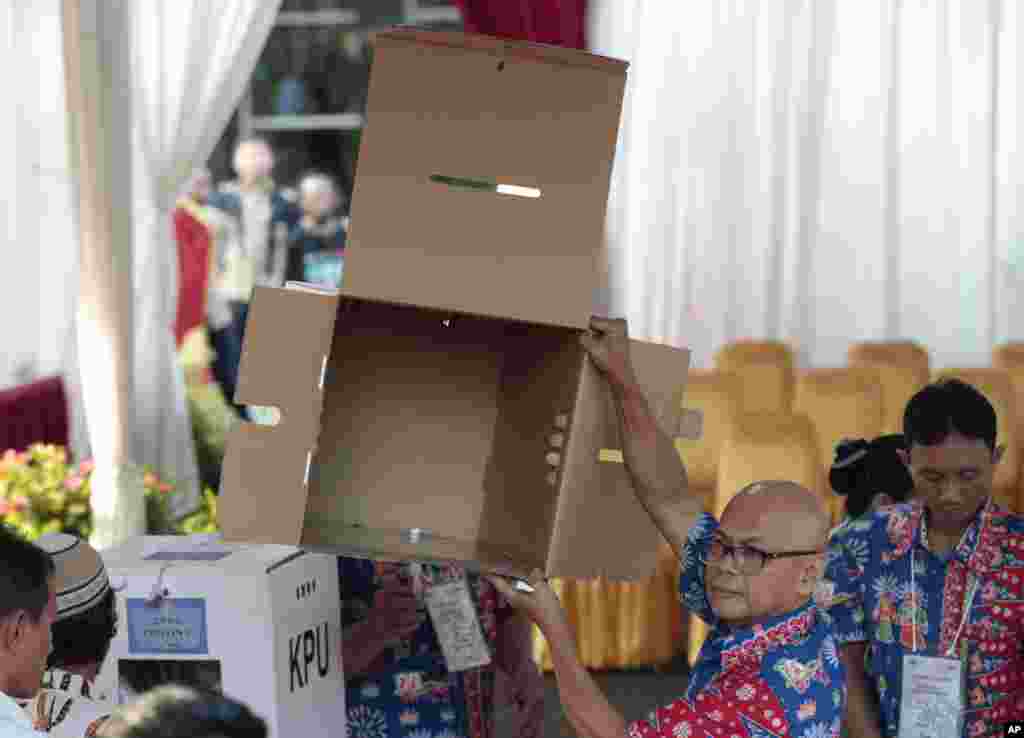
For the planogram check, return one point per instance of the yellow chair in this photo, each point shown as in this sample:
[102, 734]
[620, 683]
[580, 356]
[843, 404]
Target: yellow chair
[765, 369]
[717, 395]
[841, 403]
[997, 386]
[763, 446]
[1010, 357]
[903, 368]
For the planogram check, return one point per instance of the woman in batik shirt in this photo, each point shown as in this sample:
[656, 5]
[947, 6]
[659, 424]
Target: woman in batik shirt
[398, 684]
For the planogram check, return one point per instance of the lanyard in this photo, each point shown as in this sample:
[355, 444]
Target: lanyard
[969, 601]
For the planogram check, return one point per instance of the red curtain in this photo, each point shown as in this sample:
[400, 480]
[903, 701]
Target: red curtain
[554, 22]
[34, 413]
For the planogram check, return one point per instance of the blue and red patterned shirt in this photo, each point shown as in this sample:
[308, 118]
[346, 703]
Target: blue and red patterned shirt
[873, 601]
[408, 691]
[780, 678]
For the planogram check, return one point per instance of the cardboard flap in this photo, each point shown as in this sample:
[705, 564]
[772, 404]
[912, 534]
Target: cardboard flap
[284, 358]
[598, 504]
[484, 173]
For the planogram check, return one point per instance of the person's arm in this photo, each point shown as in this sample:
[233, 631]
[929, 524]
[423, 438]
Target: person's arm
[513, 655]
[863, 719]
[393, 614]
[843, 595]
[651, 459]
[360, 647]
[588, 711]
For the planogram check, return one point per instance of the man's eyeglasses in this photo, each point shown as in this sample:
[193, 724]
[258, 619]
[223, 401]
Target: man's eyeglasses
[747, 559]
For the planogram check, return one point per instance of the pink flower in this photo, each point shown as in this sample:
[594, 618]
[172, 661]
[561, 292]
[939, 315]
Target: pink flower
[19, 503]
[74, 483]
[164, 487]
[150, 479]
[4, 508]
[86, 467]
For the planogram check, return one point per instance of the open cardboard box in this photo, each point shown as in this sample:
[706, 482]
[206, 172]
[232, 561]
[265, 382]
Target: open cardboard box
[416, 403]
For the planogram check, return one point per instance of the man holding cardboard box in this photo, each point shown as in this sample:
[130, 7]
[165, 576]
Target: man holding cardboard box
[770, 666]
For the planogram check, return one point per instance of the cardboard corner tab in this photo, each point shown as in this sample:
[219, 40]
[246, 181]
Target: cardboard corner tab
[263, 479]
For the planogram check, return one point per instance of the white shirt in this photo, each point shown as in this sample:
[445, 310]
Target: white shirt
[14, 721]
[256, 214]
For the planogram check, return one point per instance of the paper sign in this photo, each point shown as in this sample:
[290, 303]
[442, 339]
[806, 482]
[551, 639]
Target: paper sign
[457, 626]
[175, 626]
[324, 267]
[933, 697]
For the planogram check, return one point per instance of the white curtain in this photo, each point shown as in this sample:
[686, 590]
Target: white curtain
[98, 123]
[820, 171]
[191, 62]
[37, 236]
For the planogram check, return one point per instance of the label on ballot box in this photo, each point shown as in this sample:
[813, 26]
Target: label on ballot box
[457, 625]
[933, 697]
[167, 626]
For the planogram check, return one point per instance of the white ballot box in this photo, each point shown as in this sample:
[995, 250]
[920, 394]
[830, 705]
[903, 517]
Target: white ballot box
[261, 623]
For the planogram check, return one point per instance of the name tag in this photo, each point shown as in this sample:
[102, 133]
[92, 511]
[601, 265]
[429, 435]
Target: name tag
[932, 705]
[457, 625]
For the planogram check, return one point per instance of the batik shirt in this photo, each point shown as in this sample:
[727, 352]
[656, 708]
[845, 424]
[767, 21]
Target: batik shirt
[408, 691]
[779, 678]
[874, 602]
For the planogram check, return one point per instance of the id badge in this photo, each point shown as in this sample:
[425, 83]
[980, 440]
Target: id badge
[457, 625]
[932, 705]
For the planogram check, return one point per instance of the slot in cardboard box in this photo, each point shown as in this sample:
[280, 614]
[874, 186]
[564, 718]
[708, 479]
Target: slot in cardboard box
[416, 403]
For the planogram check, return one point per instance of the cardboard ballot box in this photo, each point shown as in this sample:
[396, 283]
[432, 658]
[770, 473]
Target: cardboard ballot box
[416, 402]
[261, 623]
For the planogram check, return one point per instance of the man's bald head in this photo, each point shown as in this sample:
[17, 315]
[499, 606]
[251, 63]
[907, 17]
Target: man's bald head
[781, 512]
[771, 517]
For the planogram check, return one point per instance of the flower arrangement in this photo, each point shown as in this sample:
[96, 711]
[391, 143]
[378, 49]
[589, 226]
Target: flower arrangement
[41, 492]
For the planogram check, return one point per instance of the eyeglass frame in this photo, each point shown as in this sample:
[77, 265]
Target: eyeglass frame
[766, 556]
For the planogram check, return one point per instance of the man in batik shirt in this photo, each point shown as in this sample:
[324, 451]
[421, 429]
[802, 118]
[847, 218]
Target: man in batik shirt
[770, 667]
[966, 596]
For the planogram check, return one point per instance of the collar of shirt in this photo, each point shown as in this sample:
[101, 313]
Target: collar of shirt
[12, 712]
[979, 546]
[747, 647]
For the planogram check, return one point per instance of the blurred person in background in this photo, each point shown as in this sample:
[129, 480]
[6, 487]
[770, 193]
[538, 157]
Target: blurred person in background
[205, 319]
[870, 475]
[262, 216]
[317, 243]
[174, 711]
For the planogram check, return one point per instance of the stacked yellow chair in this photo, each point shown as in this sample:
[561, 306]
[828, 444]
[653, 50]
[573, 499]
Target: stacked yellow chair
[717, 395]
[1010, 358]
[903, 368]
[766, 374]
[763, 446]
[997, 386]
[841, 403]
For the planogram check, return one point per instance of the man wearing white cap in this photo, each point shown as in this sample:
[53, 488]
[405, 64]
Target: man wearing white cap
[84, 626]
